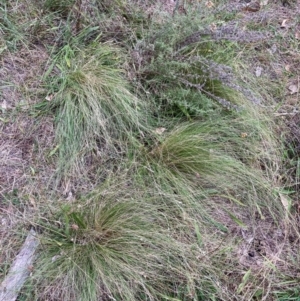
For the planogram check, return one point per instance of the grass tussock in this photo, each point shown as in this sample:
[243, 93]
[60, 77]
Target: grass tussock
[119, 244]
[95, 110]
[190, 157]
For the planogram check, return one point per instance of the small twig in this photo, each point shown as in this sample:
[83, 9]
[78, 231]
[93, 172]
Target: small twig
[290, 114]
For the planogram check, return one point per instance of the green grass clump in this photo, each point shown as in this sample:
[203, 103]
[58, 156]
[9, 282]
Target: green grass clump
[212, 156]
[95, 111]
[119, 244]
[12, 31]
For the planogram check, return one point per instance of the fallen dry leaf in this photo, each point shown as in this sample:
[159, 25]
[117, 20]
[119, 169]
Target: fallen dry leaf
[3, 105]
[74, 227]
[55, 257]
[209, 4]
[49, 97]
[160, 130]
[273, 48]
[287, 68]
[285, 202]
[70, 196]
[258, 71]
[285, 24]
[252, 7]
[213, 27]
[264, 2]
[32, 201]
[67, 186]
[293, 89]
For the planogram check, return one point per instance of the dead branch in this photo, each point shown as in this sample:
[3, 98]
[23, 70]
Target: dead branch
[20, 269]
